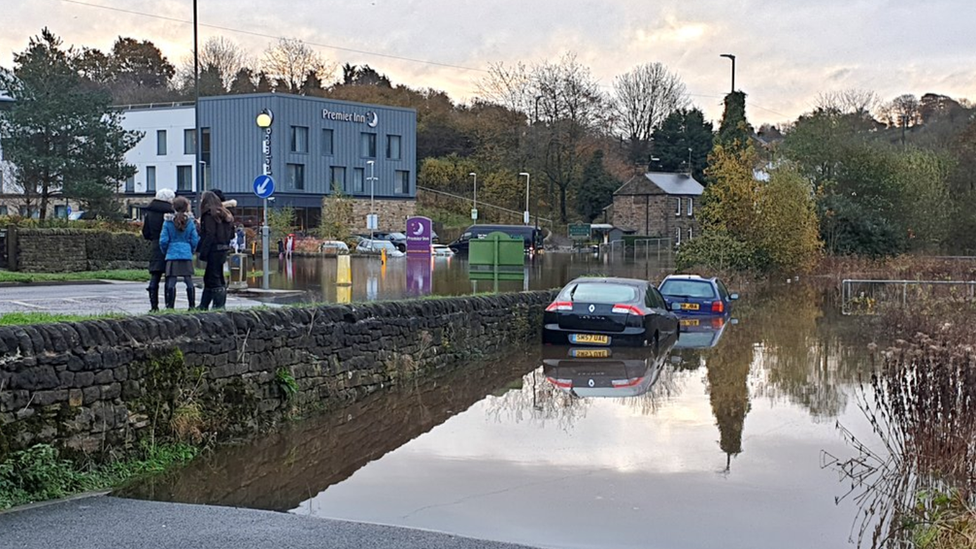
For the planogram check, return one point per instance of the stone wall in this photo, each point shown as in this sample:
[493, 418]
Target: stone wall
[70, 250]
[392, 214]
[96, 387]
[654, 215]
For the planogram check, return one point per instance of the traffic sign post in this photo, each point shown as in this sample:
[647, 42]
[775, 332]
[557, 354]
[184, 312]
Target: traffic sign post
[264, 187]
[579, 231]
[474, 214]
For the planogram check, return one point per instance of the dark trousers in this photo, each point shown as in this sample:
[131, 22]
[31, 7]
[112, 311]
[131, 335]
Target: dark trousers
[213, 275]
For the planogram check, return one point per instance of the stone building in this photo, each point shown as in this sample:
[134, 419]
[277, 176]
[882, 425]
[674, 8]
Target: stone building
[659, 205]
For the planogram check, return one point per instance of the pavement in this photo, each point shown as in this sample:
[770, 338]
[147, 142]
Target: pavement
[93, 299]
[104, 522]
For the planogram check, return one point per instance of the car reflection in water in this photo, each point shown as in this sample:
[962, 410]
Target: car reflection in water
[701, 332]
[604, 372]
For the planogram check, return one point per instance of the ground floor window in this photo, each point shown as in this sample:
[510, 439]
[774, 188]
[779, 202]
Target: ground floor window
[296, 177]
[150, 179]
[130, 184]
[184, 178]
[677, 236]
[3, 210]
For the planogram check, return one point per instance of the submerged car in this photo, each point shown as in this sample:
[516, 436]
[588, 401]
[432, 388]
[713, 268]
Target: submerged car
[376, 247]
[441, 250]
[608, 312]
[694, 295]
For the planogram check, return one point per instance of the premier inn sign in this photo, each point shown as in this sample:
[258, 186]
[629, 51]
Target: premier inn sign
[369, 118]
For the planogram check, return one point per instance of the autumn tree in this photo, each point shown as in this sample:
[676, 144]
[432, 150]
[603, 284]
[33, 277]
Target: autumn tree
[642, 99]
[288, 63]
[787, 229]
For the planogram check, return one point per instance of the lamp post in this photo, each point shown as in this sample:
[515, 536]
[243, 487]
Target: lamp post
[372, 188]
[525, 215]
[196, 95]
[731, 58]
[537, 98]
[474, 210]
[264, 121]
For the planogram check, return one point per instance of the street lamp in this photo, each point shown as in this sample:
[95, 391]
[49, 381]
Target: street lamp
[525, 215]
[732, 58]
[372, 188]
[474, 210]
[264, 120]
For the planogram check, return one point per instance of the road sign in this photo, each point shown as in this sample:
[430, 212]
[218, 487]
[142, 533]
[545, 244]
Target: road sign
[264, 186]
[372, 222]
[579, 231]
[474, 214]
[525, 217]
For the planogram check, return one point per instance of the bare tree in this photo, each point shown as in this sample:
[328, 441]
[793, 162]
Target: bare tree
[848, 101]
[508, 86]
[642, 99]
[902, 112]
[289, 62]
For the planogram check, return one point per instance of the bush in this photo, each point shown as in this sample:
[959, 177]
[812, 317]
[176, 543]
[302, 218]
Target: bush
[716, 250]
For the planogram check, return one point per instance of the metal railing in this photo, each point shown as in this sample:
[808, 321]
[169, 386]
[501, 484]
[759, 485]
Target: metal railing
[514, 214]
[642, 247]
[863, 296]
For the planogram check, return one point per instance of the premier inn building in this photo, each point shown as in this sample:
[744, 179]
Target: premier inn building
[312, 149]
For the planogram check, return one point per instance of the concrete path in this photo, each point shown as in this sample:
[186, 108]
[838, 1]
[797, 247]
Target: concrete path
[92, 299]
[108, 523]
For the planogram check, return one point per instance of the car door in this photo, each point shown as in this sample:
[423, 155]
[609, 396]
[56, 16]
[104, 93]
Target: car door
[666, 322]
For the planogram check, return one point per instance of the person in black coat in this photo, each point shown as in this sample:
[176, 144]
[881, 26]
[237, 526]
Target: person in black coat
[152, 225]
[216, 232]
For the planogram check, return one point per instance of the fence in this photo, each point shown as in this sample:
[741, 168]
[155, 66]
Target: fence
[864, 296]
[486, 212]
[641, 247]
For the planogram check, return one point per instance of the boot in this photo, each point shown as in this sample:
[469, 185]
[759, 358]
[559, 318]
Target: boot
[170, 296]
[205, 298]
[153, 298]
[191, 293]
[220, 297]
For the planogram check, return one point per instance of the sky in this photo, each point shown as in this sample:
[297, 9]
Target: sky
[787, 51]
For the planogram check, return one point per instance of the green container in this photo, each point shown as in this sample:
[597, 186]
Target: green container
[497, 255]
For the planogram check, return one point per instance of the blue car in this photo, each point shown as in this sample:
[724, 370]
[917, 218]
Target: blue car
[691, 295]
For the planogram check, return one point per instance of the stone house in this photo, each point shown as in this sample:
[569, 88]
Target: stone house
[658, 204]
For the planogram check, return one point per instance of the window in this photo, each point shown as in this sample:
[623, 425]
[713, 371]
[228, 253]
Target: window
[327, 142]
[296, 177]
[393, 147]
[690, 234]
[184, 178]
[677, 236]
[130, 184]
[4, 211]
[401, 182]
[677, 211]
[205, 146]
[654, 299]
[161, 142]
[299, 139]
[368, 145]
[150, 179]
[60, 211]
[337, 179]
[358, 180]
[189, 142]
[691, 207]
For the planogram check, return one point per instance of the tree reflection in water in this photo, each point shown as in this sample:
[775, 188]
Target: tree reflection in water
[921, 403]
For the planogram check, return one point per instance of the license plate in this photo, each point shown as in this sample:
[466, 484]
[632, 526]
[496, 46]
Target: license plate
[689, 306]
[589, 353]
[590, 338]
[689, 322]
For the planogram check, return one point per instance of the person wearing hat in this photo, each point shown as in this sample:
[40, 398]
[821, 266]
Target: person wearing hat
[152, 226]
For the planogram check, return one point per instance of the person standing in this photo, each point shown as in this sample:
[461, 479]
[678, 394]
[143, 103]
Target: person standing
[152, 225]
[241, 239]
[216, 232]
[289, 245]
[177, 240]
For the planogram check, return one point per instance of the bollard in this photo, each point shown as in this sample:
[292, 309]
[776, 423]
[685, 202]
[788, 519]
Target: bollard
[343, 270]
[344, 294]
[383, 256]
[238, 272]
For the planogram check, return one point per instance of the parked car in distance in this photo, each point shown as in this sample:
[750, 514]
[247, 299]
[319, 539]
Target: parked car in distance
[398, 239]
[531, 236]
[695, 295]
[334, 247]
[441, 250]
[376, 247]
[608, 312]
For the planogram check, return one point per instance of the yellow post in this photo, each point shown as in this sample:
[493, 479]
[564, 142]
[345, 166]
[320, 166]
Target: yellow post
[383, 256]
[344, 294]
[343, 271]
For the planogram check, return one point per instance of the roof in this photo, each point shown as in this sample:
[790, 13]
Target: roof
[680, 184]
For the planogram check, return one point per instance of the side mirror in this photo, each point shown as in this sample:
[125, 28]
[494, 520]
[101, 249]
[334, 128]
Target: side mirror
[734, 297]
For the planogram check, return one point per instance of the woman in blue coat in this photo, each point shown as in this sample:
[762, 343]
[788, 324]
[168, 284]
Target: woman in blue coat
[177, 240]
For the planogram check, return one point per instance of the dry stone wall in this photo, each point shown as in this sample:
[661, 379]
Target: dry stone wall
[71, 250]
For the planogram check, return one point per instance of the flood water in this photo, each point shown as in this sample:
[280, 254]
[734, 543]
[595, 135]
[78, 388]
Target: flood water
[718, 441]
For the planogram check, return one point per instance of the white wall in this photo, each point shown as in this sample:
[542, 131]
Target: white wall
[172, 119]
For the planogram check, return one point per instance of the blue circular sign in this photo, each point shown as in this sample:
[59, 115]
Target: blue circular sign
[264, 186]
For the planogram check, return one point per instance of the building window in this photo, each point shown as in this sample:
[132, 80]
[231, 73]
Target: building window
[150, 179]
[327, 142]
[401, 182]
[296, 177]
[205, 146]
[299, 139]
[189, 142]
[184, 178]
[358, 180]
[690, 233]
[60, 211]
[130, 184]
[4, 210]
[393, 147]
[337, 179]
[368, 145]
[677, 211]
[691, 207]
[677, 236]
[27, 212]
[161, 142]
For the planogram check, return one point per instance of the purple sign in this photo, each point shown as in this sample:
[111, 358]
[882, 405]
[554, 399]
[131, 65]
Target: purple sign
[418, 236]
[419, 274]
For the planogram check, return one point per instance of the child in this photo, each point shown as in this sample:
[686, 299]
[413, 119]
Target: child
[177, 240]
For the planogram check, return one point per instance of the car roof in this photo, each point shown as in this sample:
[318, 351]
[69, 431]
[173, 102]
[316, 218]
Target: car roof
[689, 277]
[610, 280]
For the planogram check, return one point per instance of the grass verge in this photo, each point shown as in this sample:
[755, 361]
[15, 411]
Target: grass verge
[40, 473]
[125, 275]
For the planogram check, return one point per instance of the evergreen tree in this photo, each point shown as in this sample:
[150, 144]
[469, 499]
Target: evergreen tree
[734, 130]
[683, 130]
[61, 135]
[596, 188]
[243, 82]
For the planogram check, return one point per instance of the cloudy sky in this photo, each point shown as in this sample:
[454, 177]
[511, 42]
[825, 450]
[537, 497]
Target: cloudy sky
[787, 51]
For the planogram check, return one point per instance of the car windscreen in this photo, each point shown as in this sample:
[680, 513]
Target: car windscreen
[688, 288]
[598, 292]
